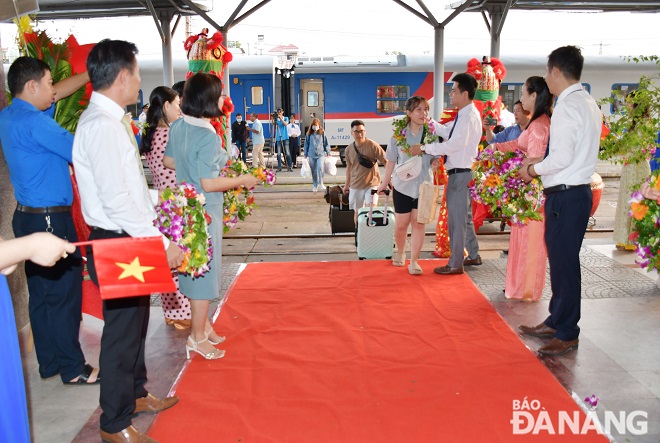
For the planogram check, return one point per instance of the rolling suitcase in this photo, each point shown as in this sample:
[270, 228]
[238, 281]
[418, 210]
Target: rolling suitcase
[375, 231]
[342, 219]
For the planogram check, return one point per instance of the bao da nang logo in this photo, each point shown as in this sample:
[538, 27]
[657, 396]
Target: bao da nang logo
[531, 418]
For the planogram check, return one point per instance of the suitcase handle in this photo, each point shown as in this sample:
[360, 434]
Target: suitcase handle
[370, 221]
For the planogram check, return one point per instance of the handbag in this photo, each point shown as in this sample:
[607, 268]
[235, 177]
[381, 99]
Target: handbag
[428, 201]
[362, 160]
[410, 169]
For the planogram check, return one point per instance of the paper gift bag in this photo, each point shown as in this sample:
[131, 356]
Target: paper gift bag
[428, 202]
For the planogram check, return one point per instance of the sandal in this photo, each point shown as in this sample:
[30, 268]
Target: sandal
[414, 269]
[83, 378]
[399, 259]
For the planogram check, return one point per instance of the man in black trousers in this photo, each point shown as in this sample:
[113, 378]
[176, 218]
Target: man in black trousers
[566, 174]
[117, 203]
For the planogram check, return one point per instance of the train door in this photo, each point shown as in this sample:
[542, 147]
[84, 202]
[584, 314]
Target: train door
[256, 98]
[311, 102]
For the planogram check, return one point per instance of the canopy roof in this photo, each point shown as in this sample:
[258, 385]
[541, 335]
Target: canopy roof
[71, 9]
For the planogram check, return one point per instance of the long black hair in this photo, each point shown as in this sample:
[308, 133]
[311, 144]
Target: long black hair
[156, 114]
[543, 104]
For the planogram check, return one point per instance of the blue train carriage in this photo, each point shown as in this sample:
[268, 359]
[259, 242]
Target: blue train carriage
[373, 89]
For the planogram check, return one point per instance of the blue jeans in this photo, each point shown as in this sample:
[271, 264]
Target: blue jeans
[278, 147]
[316, 165]
[242, 146]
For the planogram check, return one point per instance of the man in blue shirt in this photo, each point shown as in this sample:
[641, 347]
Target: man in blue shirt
[38, 153]
[512, 132]
[282, 139]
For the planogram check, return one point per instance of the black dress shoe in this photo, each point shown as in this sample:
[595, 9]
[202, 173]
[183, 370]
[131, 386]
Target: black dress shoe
[473, 261]
[558, 347]
[447, 270]
[542, 330]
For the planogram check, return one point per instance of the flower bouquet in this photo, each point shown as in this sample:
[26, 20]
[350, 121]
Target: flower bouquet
[239, 202]
[645, 215]
[496, 184]
[181, 217]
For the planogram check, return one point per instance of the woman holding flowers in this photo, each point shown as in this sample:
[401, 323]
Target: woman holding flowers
[525, 271]
[163, 110]
[196, 150]
[416, 128]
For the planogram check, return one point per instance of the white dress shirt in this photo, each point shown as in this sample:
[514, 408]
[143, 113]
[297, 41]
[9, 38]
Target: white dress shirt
[507, 118]
[462, 148]
[112, 188]
[293, 130]
[575, 129]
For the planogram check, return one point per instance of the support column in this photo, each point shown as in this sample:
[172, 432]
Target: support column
[168, 67]
[439, 73]
[495, 19]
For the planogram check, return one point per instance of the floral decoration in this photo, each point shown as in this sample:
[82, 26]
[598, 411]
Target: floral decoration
[400, 132]
[181, 217]
[239, 202]
[496, 184]
[631, 133]
[645, 216]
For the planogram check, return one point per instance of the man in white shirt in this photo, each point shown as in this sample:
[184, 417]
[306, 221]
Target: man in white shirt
[257, 141]
[507, 118]
[566, 173]
[460, 145]
[293, 130]
[116, 203]
[142, 119]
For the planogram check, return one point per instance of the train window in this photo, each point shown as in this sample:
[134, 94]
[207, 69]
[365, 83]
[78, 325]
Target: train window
[510, 93]
[619, 92]
[257, 93]
[392, 99]
[312, 98]
[136, 108]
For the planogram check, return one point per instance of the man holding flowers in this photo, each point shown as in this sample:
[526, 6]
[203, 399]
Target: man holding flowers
[460, 145]
[566, 173]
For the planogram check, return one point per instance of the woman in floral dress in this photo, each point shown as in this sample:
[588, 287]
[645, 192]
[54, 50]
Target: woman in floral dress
[163, 110]
[526, 262]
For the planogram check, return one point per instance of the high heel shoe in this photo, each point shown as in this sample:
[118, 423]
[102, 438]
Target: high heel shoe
[220, 337]
[213, 355]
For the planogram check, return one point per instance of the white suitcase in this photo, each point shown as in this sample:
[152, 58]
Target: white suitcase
[374, 236]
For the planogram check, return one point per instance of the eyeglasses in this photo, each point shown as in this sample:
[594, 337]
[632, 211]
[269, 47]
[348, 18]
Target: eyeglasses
[359, 132]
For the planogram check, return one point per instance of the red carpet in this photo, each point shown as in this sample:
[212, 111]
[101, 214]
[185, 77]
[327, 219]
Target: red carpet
[361, 352]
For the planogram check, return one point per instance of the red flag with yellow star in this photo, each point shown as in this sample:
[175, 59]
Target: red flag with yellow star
[130, 266]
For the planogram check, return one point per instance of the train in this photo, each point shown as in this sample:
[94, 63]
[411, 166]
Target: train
[340, 89]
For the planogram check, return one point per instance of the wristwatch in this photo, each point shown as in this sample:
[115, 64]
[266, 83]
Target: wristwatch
[423, 148]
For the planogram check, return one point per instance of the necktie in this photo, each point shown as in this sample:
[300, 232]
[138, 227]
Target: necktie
[451, 131]
[126, 120]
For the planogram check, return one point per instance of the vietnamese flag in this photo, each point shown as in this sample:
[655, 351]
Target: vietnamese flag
[130, 266]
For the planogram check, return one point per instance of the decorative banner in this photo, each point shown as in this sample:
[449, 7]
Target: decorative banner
[129, 267]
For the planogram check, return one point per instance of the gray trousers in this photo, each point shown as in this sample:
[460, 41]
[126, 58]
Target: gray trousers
[459, 214]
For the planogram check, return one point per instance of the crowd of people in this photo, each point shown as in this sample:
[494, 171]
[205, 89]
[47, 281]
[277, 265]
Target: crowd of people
[559, 138]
